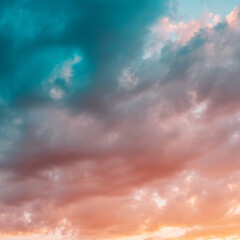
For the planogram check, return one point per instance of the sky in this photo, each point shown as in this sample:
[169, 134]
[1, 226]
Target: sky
[119, 120]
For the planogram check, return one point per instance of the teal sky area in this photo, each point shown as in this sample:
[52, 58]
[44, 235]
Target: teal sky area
[192, 9]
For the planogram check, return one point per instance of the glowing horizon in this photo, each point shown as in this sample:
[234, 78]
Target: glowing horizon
[119, 120]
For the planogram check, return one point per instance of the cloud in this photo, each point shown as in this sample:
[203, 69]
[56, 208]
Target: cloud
[98, 139]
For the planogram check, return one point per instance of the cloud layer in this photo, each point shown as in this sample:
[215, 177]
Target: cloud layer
[118, 121]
